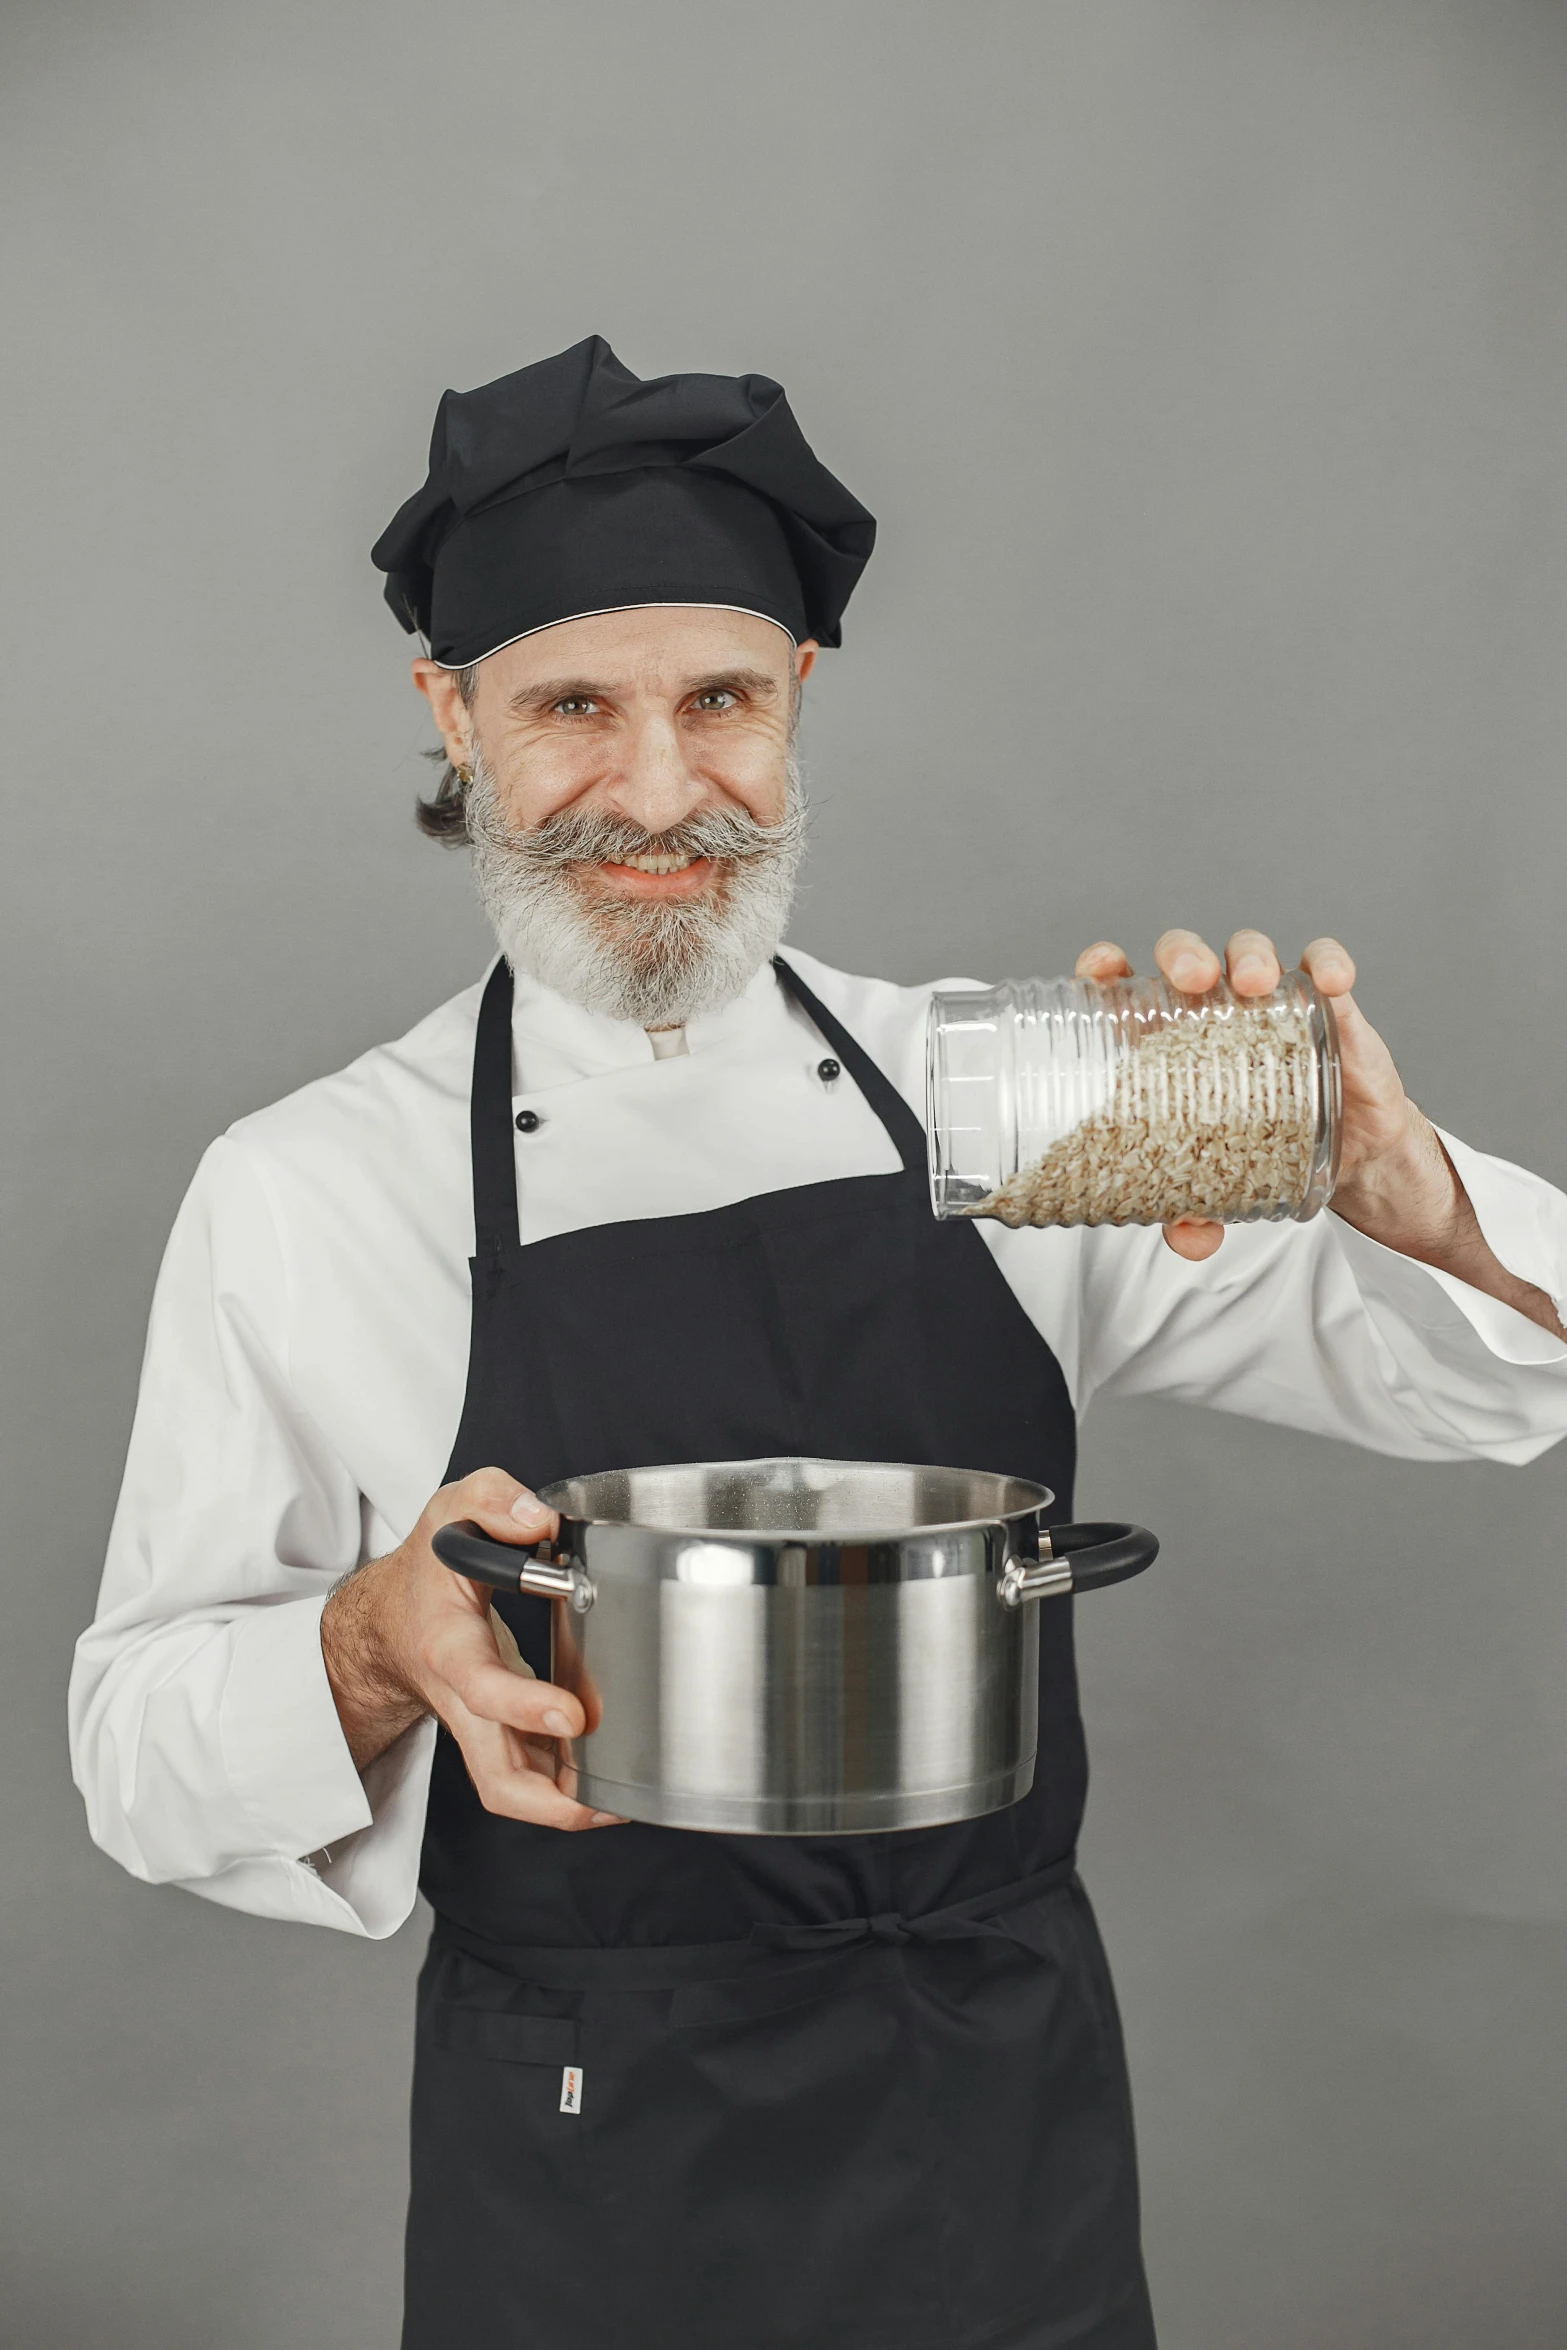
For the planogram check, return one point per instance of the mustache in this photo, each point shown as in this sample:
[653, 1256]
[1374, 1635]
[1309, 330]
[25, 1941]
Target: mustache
[653, 961]
[595, 837]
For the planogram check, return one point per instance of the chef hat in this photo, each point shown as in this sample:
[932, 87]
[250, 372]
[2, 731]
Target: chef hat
[573, 487]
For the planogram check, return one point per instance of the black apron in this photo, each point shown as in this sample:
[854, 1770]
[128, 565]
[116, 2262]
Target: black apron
[740, 2092]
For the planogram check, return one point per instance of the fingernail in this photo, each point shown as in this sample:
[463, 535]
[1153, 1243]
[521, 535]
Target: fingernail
[1251, 967]
[526, 1510]
[608, 1819]
[1189, 971]
[556, 1723]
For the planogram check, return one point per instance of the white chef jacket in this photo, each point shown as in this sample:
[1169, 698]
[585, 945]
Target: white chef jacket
[307, 1359]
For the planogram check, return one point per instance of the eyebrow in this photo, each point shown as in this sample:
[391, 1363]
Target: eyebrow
[747, 681]
[555, 689]
[529, 698]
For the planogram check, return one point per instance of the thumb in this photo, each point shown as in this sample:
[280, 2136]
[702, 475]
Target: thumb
[1194, 1237]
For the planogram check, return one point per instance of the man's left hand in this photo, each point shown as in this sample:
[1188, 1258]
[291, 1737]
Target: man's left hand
[1396, 1183]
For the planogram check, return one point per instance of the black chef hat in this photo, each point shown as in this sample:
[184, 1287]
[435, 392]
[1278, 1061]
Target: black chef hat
[573, 487]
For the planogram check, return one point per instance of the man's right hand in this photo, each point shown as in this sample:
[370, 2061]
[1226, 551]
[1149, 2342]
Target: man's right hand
[403, 1637]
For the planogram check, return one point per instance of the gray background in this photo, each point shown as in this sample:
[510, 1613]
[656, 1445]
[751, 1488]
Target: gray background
[1206, 367]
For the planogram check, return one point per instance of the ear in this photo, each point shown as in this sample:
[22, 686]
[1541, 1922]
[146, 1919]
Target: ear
[439, 688]
[805, 658]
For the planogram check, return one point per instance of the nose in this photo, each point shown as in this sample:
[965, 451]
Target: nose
[655, 787]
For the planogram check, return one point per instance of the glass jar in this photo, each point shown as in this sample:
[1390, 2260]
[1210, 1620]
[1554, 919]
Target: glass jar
[1123, 1101]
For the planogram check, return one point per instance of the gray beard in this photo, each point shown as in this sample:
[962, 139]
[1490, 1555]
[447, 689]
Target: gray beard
[633, 958]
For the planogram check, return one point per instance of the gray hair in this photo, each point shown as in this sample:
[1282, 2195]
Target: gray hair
[658, 963]
[444, 815]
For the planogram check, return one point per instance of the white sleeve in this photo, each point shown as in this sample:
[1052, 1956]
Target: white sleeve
[1315, 1326]
[204, 1738]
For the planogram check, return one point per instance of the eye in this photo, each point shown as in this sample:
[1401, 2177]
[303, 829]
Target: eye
[574, 706]
[717, 698]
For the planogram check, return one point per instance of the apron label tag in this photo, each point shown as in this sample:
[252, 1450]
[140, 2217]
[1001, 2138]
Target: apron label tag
[571, 2089]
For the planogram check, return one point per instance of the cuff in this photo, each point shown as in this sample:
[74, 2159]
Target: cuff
[377, 1874]
[283, 1745]
[1524, 1220]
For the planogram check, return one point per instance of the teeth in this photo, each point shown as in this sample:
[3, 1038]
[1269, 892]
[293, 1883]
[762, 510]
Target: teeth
[650, 864]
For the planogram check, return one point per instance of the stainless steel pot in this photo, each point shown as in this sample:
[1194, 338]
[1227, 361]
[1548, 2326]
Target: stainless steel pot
[801, 1647]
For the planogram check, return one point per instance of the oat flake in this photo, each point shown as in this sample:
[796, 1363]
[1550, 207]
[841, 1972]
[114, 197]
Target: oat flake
[1206, 1117]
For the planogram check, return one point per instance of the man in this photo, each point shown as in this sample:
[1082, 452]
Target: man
[654, 1189]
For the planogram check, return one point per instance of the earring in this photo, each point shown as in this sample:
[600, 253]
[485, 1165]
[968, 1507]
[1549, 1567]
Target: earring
[464, 777]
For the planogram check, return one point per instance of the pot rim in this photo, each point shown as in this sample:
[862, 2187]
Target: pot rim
[807, 1537]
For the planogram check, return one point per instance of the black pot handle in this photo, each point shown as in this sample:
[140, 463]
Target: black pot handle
[510, 1566]
[1078, 1558]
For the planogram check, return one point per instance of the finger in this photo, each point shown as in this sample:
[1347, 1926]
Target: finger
[509, 1783]
[1252, 962]
[566, 1781]
[1330, 965]
[1187, 961]
[487, 1687]
[1193, 1237]
[496, 1502]
[510, 1654]
[494, 1693]
[552, 1758]
[1104, 961]
[585, 1690]
[498, 1506]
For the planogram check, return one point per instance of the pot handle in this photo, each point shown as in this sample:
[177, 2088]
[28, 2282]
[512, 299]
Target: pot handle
[510, 1566]
[1077, 1558]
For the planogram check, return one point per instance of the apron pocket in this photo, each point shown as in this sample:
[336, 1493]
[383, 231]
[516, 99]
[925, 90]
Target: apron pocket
[503, 2204]
[503, 2038]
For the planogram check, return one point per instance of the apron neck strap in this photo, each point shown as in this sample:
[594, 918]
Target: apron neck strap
[489, 1116]
[904, 1130]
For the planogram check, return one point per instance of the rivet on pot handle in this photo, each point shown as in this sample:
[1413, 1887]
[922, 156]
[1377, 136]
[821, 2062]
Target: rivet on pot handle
[1077, 1558]
[510, 1566]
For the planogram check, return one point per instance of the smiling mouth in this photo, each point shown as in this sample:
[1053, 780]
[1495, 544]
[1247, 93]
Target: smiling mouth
[655, 863]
